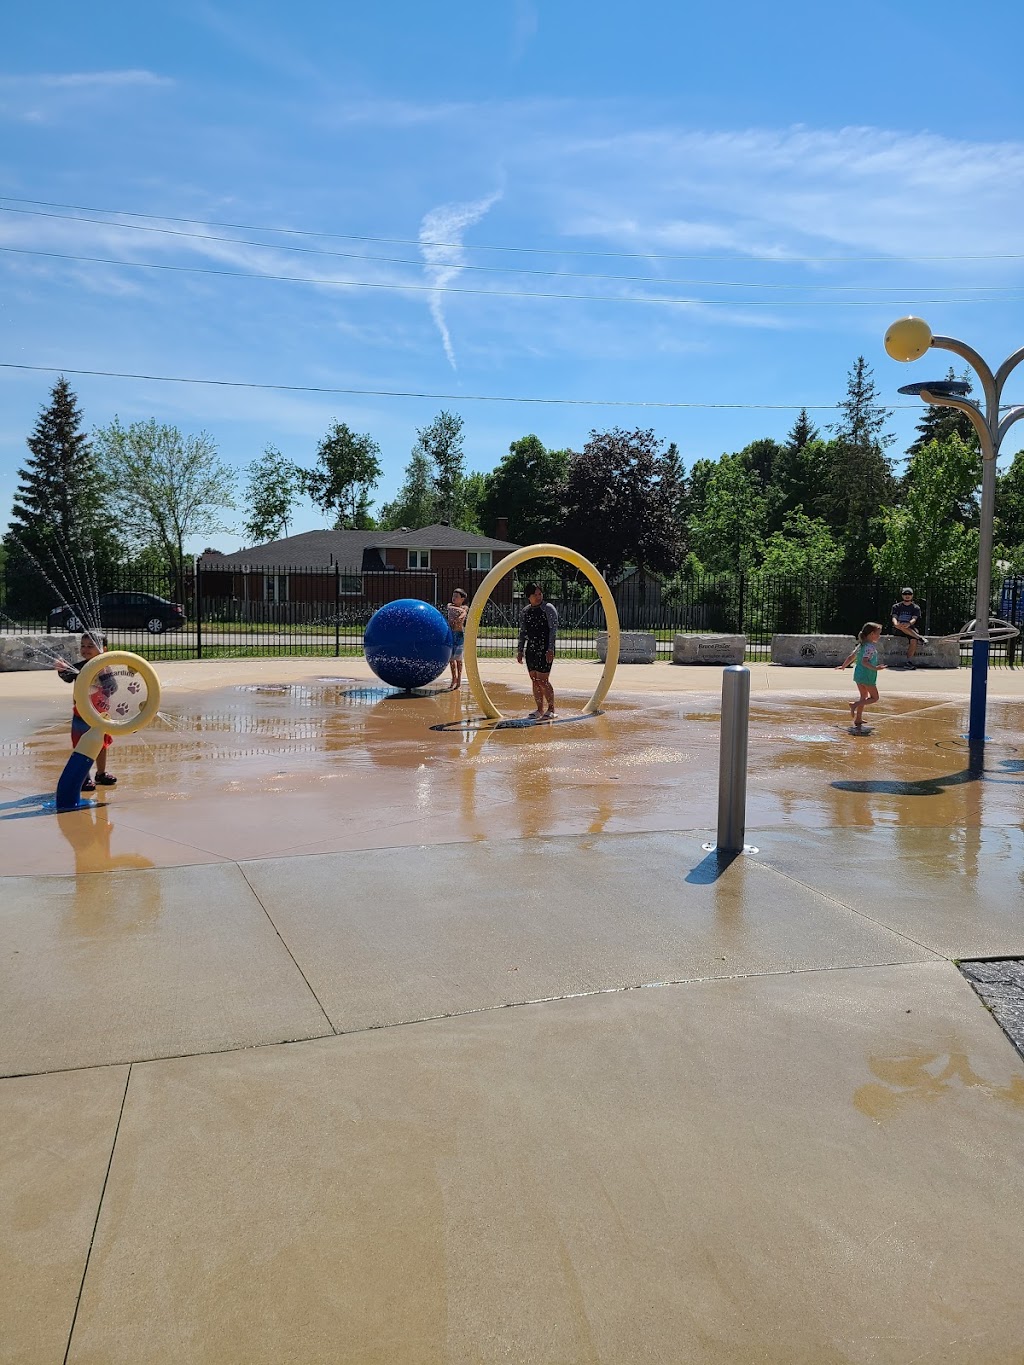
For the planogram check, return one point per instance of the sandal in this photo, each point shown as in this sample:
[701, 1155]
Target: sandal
[105, 780]
[88, 785]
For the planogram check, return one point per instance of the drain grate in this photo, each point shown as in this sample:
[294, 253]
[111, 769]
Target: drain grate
[1000, 983]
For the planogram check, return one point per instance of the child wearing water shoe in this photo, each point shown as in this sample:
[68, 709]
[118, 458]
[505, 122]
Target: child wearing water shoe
[91, 646]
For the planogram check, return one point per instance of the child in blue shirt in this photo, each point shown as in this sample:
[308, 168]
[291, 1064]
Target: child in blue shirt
[865, 671]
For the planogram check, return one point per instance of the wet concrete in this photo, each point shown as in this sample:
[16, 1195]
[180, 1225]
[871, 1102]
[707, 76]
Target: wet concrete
[276, 769]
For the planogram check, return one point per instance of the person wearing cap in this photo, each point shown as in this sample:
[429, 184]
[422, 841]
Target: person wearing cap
[906, 615]
[456, 611]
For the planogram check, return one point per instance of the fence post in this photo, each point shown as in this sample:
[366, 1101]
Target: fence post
[739, 624]
[732, 762]
[197, 579]
[337, 609]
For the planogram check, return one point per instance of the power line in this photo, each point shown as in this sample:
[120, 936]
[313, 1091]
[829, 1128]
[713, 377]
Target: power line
[496, 269]
[527, 250]
[486, 293]
[446, 397]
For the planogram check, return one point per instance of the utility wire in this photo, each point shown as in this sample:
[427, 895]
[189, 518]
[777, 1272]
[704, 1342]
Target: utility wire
[497, 269]
[526, 250]
[486, 293]
[447, 397]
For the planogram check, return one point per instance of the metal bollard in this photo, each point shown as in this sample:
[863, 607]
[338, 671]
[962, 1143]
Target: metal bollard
[732, 761]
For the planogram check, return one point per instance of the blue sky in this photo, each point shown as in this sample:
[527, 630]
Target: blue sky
[712, 153]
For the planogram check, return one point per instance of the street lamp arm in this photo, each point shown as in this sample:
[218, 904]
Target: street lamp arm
[1007, 367]
[976, 363]
[988, 449]
[1014, 415]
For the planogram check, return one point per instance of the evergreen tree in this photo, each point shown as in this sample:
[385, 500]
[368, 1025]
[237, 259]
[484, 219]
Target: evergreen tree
[58, 530]
[802, 432]
[673, 473]
[938, 423]
[799, 480]
[859, 477]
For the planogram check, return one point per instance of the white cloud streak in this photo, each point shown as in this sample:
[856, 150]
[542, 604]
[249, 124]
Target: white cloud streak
[447, 223]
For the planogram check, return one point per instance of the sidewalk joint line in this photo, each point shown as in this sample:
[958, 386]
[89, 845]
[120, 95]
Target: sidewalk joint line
[284, 945]
[99, 1207]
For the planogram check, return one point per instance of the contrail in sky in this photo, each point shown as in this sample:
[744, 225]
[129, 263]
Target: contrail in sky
[447, 223]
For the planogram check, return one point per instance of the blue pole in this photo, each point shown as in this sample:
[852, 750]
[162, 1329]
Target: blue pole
[69, 787]
[979, 691]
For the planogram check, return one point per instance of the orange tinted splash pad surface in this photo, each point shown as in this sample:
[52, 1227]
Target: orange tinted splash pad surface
[333, 762]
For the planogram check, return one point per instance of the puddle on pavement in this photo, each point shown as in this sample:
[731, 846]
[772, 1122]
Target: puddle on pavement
[348, 765]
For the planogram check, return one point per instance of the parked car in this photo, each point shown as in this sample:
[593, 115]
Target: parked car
[124, 611]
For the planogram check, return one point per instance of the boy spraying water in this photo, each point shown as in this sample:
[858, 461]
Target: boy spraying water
[91, 646]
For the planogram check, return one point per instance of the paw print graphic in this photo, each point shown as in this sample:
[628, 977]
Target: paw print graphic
[133, 687]
[122, 710]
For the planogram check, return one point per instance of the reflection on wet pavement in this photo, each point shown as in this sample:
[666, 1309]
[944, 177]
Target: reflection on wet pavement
[334, 764]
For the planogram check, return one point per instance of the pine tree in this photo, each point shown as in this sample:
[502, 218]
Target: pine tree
[859, 479]
[938, 423]
[802, 432]
[56, 531]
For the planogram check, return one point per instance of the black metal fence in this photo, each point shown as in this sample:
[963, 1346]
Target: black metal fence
[273, 611]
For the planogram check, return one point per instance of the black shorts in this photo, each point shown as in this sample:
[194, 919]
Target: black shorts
[537, 660]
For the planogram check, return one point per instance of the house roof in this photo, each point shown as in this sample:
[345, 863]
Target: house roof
[351, 550]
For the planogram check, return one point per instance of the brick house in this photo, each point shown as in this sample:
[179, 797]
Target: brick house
[352, 572]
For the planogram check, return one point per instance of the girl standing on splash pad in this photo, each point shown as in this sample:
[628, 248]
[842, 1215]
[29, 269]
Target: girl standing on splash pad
[865, 671]
[456, 612]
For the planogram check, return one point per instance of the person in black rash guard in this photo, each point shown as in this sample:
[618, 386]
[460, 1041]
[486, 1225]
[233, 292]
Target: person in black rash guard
[537, 633]
[906, 617]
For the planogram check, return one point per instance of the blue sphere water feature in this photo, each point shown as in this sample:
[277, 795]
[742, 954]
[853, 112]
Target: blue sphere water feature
[408, 643]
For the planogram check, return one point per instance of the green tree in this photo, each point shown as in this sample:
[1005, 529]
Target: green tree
[803, 547]
[272, 491]
[760, 457]
[619, 508]
[166, 487]
[346, 472]
[700, 476]
[415, 503]
[59, 526]
[859, 478]
[1010, 512]
[474, 490]
[925, 537]
[728, 534]
[440, 441]
[937, 423]
[799, 480]
[527, 489]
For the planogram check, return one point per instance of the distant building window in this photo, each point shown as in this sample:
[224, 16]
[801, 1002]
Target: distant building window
[275, 587]
[419, 559]
[478, 559]
[350, 585]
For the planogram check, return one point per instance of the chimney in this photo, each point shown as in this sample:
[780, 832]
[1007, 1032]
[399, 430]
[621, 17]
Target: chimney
[501, 528]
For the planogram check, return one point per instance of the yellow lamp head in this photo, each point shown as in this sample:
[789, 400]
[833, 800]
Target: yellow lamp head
[908, 339]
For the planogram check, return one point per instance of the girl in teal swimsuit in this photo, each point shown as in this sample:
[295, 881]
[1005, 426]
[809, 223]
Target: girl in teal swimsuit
[865, 671]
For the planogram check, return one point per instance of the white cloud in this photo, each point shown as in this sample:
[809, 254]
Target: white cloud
[441, 245]
[44, 96]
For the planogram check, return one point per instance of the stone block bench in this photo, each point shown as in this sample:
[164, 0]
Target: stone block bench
[829, 651]
[20, 653]
[635, 647]
[709, 649]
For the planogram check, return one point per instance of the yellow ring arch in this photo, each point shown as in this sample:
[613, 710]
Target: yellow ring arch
[492, 580]
[117, 658]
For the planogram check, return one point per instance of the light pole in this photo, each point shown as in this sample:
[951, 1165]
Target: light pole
[908, 339]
